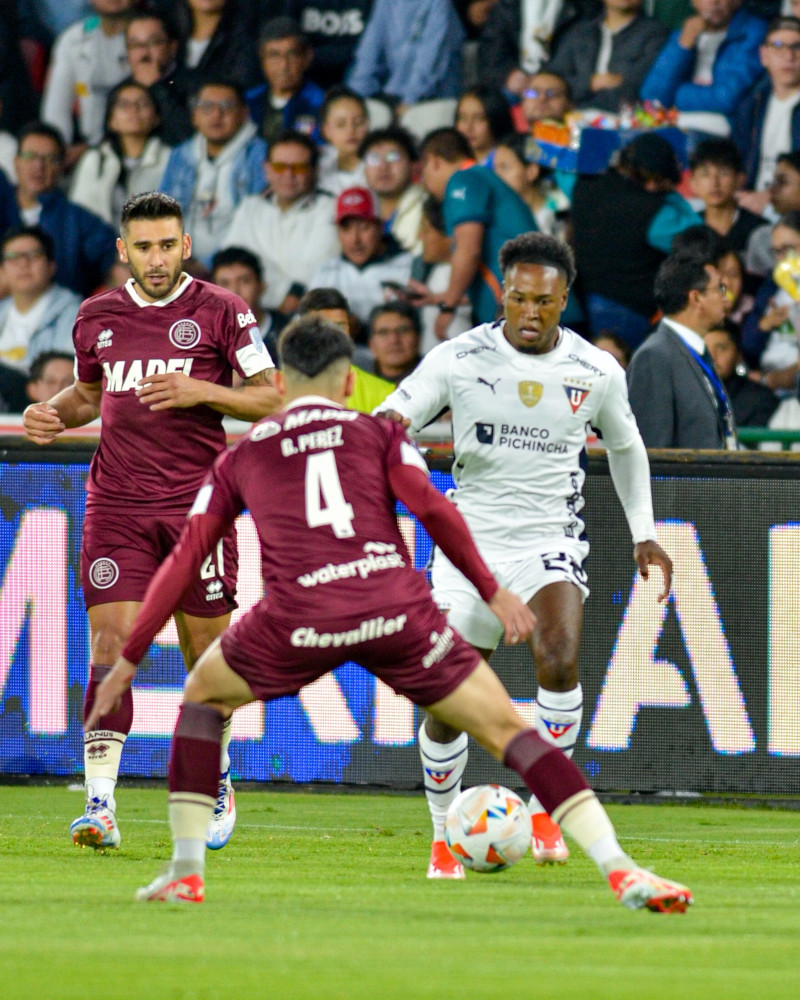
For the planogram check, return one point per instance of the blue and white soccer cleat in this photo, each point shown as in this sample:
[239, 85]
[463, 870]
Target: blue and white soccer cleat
[223, 819]
[97, 827]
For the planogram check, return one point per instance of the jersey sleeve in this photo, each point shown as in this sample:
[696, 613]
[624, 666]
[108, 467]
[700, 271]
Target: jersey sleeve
[614, 418]
[87, 366]
[245, 348]
[424, 393]
[467, 199]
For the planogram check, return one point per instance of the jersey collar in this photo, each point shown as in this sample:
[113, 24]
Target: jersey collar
[183, 283]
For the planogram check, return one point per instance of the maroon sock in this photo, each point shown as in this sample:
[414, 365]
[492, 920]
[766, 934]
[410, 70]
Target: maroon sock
[194, 763]
[117, 722]
[551, 776]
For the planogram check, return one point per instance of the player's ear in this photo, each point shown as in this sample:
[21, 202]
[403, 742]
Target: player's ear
[187, 246]
[122, 251]
[279, 381]
[350, 383]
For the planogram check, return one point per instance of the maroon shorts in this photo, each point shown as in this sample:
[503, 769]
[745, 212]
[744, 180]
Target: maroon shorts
[410, 648]
[122, 551]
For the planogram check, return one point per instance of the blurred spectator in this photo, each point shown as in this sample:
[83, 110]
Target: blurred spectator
[716, 175]
[48, 18]
[220, 165]
[623, 222]
[481, 212]
[389, 155]
[240, 272]
[37, 315]
[84, 244]
[88, 59]
[483, 117]
[410, 51]
[767, 122]
[50, 372]
[8, 150]
[343, 123]
[432, 269]
[514, 164]
[711, 62]
[152, 46]
[606, 60]
[370, 259]
[130, 158]
[753, 404]
[738, 301]
[218, 41]
[770, 332]
[333, 29]
[369, 390]
[19, 101]
[13, 389]
[546, 96]
[290, 227]
[287, 100]
[677, 398]
[784, 197]
[394, 340]
[614, 345]
[520, 36]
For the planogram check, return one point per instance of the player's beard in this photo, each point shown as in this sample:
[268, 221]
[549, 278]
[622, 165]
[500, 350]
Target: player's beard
[159, 291]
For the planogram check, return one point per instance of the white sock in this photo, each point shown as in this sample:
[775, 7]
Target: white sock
[584, 819]
[442, 769]
[189, 814]
[189, 855]
[102, 753]
[558, 718]
[102, 788]
[224, 756]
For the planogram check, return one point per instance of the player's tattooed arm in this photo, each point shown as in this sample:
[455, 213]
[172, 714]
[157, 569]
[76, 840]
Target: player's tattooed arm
[74, 406]
[257, 398]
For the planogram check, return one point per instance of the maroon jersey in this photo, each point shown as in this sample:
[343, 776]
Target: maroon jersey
[157, 460]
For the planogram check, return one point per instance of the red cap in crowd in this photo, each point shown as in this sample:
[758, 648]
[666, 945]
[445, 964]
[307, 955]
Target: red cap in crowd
[356, 203]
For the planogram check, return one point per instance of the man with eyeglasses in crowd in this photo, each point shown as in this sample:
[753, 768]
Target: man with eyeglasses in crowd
[212, 172]
[389, 155]
[290, 226]
[546, 95]
[767, 123]
[84, 246]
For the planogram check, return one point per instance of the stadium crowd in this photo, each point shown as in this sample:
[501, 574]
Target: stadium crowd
[382, 150]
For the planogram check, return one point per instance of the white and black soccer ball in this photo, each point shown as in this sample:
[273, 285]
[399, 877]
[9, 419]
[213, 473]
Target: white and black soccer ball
[488, 828]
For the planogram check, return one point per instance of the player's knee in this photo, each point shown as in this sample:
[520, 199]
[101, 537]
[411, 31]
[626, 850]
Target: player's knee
[107, 643]
[439, 731]
[556, 667]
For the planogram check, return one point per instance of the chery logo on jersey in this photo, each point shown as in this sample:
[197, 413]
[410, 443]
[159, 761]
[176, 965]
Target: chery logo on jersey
[120, 378]
[530, 392]
[576, 393]
[185, 333]
[485, 433]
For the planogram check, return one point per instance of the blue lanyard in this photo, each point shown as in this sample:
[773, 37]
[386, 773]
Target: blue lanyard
[723, 403]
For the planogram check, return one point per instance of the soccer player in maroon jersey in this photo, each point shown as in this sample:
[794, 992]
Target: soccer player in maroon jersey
[321, 483]
[154, 359]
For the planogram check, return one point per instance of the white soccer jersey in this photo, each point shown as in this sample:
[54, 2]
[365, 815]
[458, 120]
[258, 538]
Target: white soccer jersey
[519, 429]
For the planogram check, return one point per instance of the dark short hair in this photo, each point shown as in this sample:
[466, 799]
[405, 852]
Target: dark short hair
[316, 299]
[732, 330]
[298, 139]
[309, 345]
[42, 128]
[278, 28]
[718, 152]
[433, 213]
[338, 94]
[392, 133]
[783, 23]
[649, 157]
[448, 144]
[541, 249]
[702, 242]
[221, 81]
[237, 255]
[44, 239]
[495, 106]
[114, 93]
[150, 205]
[789, 219]
[43, 359]
[792, 159]
[404, 309]
[148, 14]
[676, 278]
[620, 343]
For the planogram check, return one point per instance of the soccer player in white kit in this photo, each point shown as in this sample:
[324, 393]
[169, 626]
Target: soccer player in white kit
[522, 391]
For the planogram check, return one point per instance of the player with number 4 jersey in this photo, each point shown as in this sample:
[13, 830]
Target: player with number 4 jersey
[522, 391]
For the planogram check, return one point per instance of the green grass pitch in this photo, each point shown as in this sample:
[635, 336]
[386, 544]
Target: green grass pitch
[324, 896]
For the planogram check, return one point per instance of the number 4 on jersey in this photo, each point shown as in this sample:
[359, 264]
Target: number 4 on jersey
[325, 502]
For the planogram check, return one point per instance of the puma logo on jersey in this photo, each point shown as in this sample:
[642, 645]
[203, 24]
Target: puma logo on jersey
[104, 338]
[123, 376]
[491, 385]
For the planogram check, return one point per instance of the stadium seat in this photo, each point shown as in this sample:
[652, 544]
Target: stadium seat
[422, 118]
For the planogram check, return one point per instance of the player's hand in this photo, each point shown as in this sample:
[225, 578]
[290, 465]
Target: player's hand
[171, 390]
[516, 617]
[442, 325]
[605, 81]
[753, 201]
[419, 294]
[649, 554]
[111, 689]
[42, 423]
[397, 417]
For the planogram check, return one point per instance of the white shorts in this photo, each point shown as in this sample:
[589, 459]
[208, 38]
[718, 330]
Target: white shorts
[550, 562]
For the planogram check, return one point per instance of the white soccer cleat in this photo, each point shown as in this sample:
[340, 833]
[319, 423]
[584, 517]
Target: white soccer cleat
[223, 819]
[97, 827]
[637, 888]
[171, 888]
